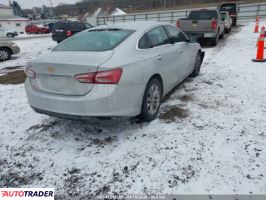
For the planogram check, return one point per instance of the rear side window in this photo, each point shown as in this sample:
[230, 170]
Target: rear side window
[157, 36]
[76, 26]
[143, 42]
[203, 15]
[87, 26]
[175, 33]
[94, 40]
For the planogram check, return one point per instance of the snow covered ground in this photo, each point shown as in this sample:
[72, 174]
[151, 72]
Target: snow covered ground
[210, 136]
[29, 49]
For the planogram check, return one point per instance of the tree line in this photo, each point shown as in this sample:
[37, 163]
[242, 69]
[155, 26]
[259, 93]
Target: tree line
[126, 5]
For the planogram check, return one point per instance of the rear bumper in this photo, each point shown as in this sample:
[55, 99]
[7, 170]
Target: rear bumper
[103, 100]
[58, 38]
[198, 36]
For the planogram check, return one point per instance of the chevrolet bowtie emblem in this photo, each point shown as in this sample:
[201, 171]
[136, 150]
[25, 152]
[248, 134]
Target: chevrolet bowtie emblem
[51, 69]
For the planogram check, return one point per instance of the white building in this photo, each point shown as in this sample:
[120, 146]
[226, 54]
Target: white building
[11, 22]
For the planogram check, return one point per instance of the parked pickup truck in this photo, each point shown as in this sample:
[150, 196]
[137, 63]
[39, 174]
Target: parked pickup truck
[232, 8]
[203, 24]
[228, 22]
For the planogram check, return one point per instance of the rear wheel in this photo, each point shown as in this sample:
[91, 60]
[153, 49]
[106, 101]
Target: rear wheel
[214, 41]
[234, 22]
[151, 100]
[221, 36]
[197, 66]
[5, 54]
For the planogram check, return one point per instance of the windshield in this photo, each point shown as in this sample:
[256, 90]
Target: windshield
[228, 7]
[94, 40]
[203, 15]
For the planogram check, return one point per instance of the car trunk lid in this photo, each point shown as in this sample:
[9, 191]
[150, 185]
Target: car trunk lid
[55, 72]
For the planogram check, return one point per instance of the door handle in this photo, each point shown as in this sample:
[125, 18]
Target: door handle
[159, 57]
[180, 50]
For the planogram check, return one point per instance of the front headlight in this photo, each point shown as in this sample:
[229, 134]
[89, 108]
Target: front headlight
[14, 45]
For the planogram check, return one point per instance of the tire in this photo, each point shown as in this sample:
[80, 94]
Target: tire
[151, 100]
[5, 54]
[9, 35]
[234, 22]
[215, 40]
[221, 36]
[197, 65]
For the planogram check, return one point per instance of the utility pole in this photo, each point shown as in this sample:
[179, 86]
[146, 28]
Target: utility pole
[51, 5]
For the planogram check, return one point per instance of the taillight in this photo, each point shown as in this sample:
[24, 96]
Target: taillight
[85, 78]
[103, 77]
[177, 23]
[30, 73]
[68, 33]
[214, 24]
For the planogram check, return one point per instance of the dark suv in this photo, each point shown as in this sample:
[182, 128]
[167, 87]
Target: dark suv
[232, 9]
[65, 29]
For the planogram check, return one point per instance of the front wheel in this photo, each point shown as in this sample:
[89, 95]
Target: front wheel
[151, 100]
[9, 35]
[197, 66]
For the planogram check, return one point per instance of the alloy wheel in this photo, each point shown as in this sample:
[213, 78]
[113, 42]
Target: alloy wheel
[153, 99]
[3, 55]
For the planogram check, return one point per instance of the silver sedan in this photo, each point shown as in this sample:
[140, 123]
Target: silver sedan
[113, 70]
[7, 49]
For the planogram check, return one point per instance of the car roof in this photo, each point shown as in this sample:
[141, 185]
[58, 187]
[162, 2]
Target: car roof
[69, 22]
[136, 25]
[228, 3]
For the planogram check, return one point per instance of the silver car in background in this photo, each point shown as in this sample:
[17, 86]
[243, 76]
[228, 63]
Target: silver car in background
[7, 49]
[113, 70]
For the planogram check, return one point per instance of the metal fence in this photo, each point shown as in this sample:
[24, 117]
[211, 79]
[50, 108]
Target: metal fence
[248, 11]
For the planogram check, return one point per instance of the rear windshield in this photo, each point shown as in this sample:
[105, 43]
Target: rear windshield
[228, 7]
[203, 15]
[224, 15]
[61, 25]
[94, 40]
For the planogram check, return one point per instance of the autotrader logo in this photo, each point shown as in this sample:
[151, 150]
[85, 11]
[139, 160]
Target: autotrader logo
[27, 193]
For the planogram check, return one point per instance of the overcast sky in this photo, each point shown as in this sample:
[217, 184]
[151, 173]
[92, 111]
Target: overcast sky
[33, 3]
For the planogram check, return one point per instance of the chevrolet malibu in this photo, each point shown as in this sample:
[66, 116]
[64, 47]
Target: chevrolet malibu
[113, 70]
